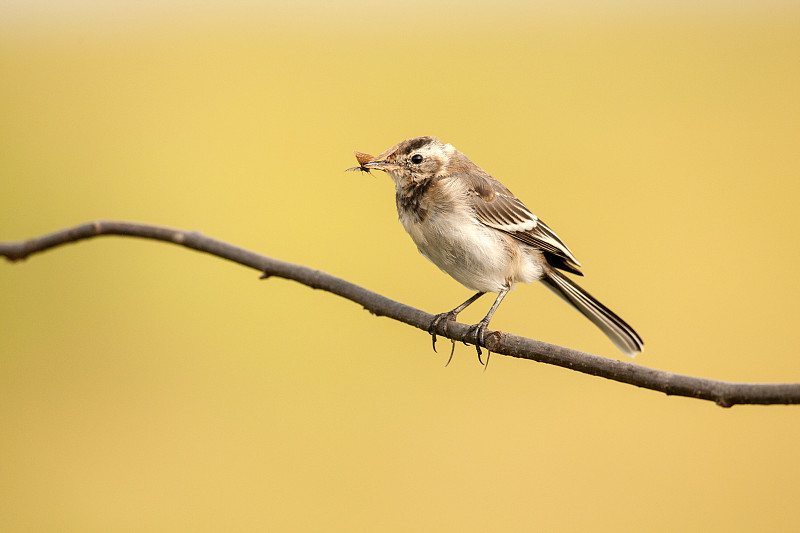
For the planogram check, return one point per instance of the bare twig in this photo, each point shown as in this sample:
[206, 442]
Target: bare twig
[723, 393]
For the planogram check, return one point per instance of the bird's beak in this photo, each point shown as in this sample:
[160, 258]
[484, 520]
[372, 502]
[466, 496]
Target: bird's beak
[384, 165]
[379, 162]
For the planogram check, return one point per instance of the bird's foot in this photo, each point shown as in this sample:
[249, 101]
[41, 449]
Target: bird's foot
[447, 317]
[478, 333]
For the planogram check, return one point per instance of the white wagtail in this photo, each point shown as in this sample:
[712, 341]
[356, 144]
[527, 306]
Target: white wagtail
[473, 228]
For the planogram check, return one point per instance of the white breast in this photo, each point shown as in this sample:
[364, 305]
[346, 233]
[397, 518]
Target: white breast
[480, 258]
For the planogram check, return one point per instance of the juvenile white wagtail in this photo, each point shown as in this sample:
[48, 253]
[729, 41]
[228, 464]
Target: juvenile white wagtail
[473, 228]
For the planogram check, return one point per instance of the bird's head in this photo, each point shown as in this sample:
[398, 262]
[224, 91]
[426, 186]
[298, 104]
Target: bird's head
[411, 161]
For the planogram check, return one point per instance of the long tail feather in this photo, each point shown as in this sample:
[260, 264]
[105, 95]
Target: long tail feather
[620, 333]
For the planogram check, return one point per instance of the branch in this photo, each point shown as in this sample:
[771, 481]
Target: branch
[722, 393]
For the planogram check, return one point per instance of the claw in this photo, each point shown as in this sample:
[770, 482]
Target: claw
[432, 330]
[452, 350]
[447, 317]
[477, 332]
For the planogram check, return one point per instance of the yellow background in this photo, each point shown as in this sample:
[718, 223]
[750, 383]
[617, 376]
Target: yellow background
[145, 387]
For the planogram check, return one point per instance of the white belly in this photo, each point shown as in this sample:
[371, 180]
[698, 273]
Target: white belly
[480, 258]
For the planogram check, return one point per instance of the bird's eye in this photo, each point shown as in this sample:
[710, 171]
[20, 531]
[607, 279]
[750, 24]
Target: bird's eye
[416, 159]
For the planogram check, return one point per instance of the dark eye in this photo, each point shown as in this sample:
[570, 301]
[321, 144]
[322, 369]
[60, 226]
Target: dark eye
[416, 159]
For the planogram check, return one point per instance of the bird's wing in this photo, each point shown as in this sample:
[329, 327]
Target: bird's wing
[496, 207]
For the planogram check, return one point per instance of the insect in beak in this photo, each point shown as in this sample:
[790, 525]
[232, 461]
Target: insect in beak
[362, 159]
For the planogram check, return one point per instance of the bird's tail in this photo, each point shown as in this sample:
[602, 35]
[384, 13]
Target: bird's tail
[620, 333]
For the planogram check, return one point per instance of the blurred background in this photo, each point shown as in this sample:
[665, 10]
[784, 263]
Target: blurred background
[145, 387]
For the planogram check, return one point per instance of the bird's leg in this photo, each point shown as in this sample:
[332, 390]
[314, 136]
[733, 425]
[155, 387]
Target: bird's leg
[478, 330]
[447, 317]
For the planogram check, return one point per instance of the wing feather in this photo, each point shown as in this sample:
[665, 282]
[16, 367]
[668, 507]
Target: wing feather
[496, 207]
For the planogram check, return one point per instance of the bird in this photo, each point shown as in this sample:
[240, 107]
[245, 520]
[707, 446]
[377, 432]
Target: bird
[473, 228]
